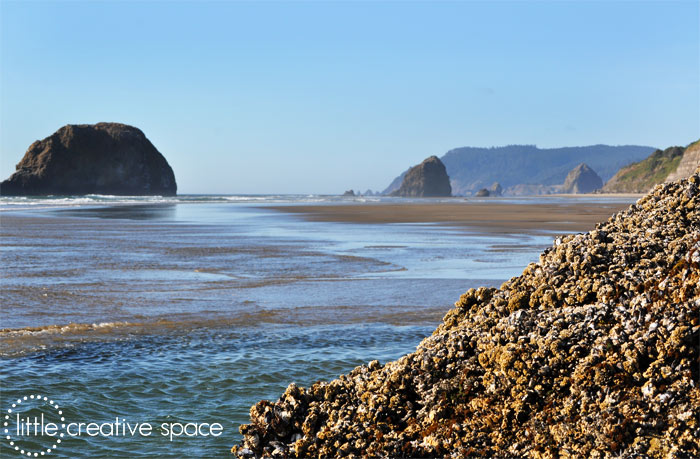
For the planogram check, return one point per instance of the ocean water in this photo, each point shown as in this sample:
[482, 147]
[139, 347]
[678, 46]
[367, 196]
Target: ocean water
[180, 313]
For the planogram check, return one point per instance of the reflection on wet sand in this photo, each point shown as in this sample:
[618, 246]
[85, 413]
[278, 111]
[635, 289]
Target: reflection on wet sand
[160, 211]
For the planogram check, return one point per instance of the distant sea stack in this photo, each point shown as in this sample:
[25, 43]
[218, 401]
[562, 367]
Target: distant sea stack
[428, 179]
[495, 191]
[641, 176]
[103, 158]
[582, 179]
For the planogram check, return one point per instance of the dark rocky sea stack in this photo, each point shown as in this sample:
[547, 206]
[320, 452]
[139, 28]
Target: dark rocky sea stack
[103, 158]
[591, 352]
[582, 179]
[426, 180]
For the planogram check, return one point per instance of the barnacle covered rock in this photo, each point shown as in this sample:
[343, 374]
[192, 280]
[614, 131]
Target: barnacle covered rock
[591, 352]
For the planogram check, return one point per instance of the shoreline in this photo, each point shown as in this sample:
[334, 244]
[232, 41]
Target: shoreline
[488, 217]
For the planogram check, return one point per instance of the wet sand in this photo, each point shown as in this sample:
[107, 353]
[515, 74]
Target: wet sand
[488, 217]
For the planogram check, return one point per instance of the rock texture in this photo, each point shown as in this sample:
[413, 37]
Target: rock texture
[642, 176]
[582, 179]
[428, 179]
[688, 163]
[104, 158]
[591, 352]
[496, 189]
[483, 193]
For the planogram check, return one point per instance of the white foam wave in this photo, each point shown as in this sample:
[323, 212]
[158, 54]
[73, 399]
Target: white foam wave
[48, 202]
[62, 329]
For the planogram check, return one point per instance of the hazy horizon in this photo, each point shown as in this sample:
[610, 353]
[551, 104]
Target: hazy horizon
[257, 98]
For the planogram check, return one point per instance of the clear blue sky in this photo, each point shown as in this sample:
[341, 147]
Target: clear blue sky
[318, 97]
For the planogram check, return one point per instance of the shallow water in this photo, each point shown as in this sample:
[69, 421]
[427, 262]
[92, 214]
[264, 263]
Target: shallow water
[192, 310]
[201, 375]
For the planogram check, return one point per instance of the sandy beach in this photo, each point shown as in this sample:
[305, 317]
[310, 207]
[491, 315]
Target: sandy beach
[496, 217]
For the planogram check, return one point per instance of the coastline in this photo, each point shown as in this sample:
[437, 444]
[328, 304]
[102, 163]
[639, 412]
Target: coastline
[496, 217]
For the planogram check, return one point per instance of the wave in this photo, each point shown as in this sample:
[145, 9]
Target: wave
[26, 340]
[8, 203]
[52, 201]
[62, 329]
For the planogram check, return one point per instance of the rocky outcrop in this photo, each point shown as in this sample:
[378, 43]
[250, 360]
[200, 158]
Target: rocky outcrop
[688, 163]
[582, 179]
[591, 352]
[428, 179]
[642, 176]
[104, 158]
[495, 191]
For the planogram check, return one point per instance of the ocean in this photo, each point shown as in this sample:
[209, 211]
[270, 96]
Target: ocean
[172, 316]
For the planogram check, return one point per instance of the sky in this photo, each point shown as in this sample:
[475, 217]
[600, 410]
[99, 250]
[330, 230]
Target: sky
[320, 97]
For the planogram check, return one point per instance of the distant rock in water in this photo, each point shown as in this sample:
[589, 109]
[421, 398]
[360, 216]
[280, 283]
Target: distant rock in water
[640, 177]
[103, 158]
[495, 191]
[582, 179]
[428, 179]
[349, 193]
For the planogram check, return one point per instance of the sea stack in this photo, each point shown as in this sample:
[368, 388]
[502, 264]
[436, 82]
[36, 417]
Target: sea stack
[592, 351]
[103, 158]
[426, 180]
[582, 179]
